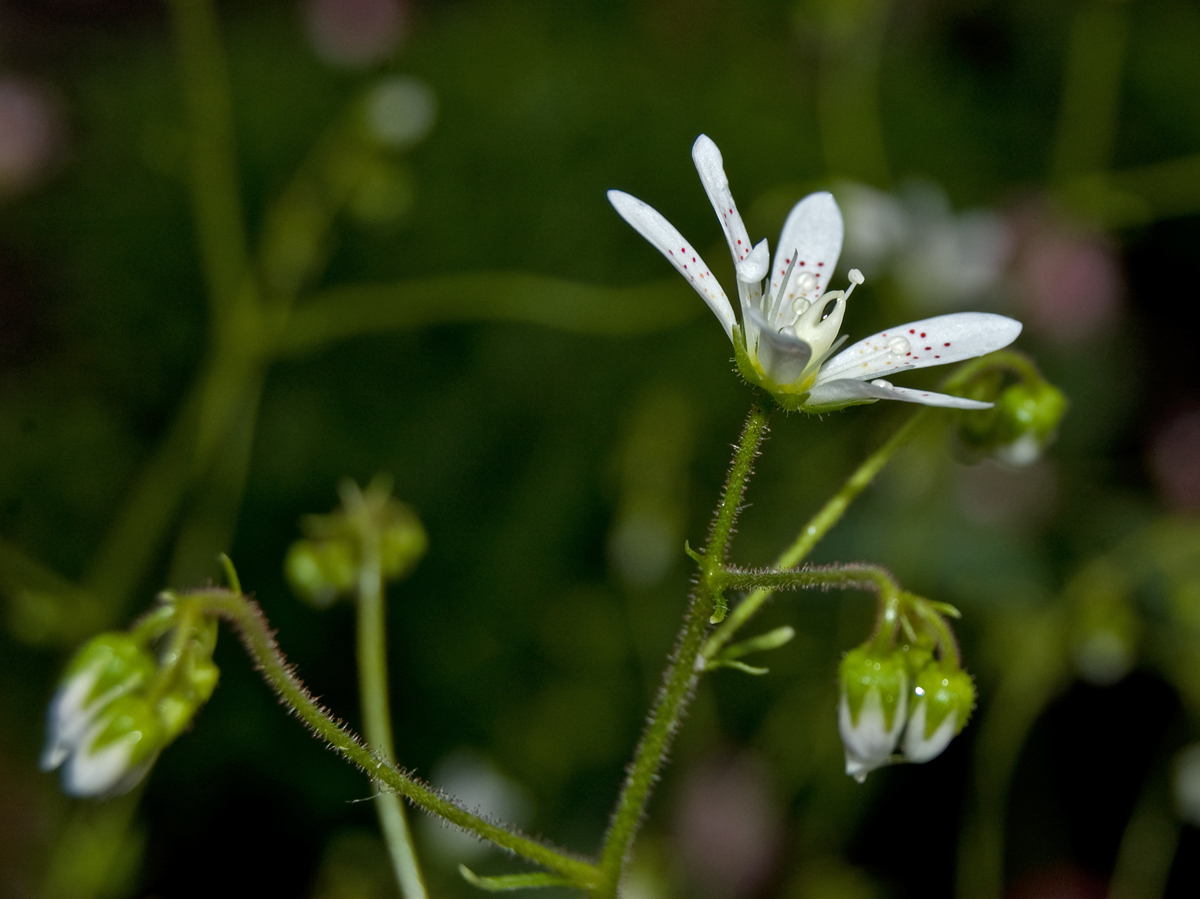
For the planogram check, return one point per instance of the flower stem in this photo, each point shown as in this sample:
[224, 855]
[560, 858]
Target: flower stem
[682, 673]
[377, 724]
[245, 615]
[816, 528]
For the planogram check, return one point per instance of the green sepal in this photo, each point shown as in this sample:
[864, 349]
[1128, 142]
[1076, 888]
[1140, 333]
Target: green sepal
[787, 396]
[755, 377]
[863, 669]
[119, 659]
[130, 717]
[944, 690]
[507, 882]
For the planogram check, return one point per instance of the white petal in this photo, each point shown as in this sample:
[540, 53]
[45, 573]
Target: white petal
[846, 391]
[649, 223]
[869, 744]
[782, 356]
[71, 713]
[712, 175]
[95, 773]
[932, 341]
[755, 266]
[813, 231]
[919, 748]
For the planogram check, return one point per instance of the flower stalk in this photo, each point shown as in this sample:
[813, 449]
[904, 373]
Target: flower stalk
[682, 674]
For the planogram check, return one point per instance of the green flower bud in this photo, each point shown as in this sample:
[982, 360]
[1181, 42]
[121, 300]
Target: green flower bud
[197, 679]
[941, 704]
[1026, 420]
[1021, 424]
[873, 707]
[106, 667]
[320, 571]
[402, 544]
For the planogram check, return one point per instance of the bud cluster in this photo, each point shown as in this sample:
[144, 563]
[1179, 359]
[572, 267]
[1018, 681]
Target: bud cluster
[900, 695]
[326, 564]
[118, 704]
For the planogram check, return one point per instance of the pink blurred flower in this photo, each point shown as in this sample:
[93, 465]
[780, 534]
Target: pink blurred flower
[727, 826]
[355, 33]
[1069, 282]
[30, 133]
[1175, 459]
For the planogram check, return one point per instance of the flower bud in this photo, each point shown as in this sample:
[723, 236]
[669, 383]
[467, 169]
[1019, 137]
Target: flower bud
[1027, 417]
[107, 667]
[941, 703]
[321, 570]
[116, 751]
[197, 680]
[873, 707]
[402, 544]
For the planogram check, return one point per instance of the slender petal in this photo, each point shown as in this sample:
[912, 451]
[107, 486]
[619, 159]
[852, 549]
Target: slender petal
[848, 390]
[667, 240]
[931, 341]
[711, 168]
[813, 234]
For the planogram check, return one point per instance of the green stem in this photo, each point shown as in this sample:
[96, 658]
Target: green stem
[849, 123]
[377, 724]
[1087, 117]
[245, 615]
[817, 528]
[679, 680]
[213, 174]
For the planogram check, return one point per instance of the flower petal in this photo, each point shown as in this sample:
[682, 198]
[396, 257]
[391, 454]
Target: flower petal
[782, 356]
[649, 223]
[932, 341]
[814, 231]
[711, 169]
[831, 395]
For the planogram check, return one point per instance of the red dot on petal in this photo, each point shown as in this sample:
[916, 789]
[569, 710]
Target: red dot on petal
[947, 343]
[912, 330]
[922, 333]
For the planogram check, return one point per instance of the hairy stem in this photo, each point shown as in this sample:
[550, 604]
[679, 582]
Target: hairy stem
[245, 615]
[681, 675]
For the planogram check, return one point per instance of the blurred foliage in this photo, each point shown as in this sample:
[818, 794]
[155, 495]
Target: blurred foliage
[463, 310]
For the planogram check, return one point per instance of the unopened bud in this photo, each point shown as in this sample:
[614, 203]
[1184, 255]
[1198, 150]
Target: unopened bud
[402, 544]
[941, 703]
[1027, 418]
[321, 570]
[107, 667]
[873, 707]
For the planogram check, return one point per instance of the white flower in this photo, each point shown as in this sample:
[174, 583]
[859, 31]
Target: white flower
[788, 334]
[869, 742]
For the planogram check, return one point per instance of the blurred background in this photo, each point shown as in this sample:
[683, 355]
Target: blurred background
[441, 292]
